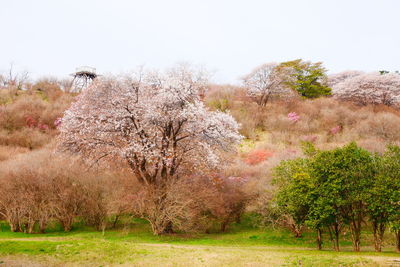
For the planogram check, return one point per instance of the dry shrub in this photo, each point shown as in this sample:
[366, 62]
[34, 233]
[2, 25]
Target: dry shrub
[258, 186]
[28, 120]
[16, 115]
[315, 116]
[278, 122]
[190, 204]
[41, 186]
[121, 185]
[234, 100]
[260, 189]
[32, 111]
[373, 145]
[220, 97]
[106, 196]
[260, 174]
[56, 109]
[225, 93]
[6, 96]
[23, 202]
[27, 137]
[383, 125]
[251, 118]
[48, 88]
[233, 196]
[24, 193]
[318, 118]
[241, 169]
[8, 152]
[184, 205]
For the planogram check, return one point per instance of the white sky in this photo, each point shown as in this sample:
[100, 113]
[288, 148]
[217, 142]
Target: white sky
[52, 37]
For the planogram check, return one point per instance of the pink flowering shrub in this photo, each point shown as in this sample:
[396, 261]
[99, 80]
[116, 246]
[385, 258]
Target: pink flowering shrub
[57, 122]
[335, 130]
[42, 126]
[33, 123]
[30, 122]
[293, 116]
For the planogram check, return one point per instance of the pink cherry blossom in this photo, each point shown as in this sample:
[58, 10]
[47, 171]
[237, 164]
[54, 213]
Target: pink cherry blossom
[337, 78]
[265, 82]
[154, 121]
[292, 116]
[373, 88]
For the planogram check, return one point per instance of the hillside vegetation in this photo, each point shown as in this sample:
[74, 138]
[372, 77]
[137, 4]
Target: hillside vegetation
[166, 168]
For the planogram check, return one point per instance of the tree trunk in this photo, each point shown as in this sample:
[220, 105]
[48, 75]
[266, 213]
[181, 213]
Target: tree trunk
[13, 227]
[168, 229]
[238, 218]
[42, 228]
[26, 226]
[334, 231]
[379, 231]
[356, 238]
[13, 222]
[397, 232]
[337, 241]
[298, 233]
[224, 224]
[67, 224]
[319, 238]
[296, 229]
[355, 229]
[115, 221]
[160, 228]
[31, 228]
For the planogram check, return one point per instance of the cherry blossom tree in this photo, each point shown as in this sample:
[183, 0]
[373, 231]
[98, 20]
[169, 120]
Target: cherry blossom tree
[154, 121]
[265, 82]
[336, 78]
[374, 88]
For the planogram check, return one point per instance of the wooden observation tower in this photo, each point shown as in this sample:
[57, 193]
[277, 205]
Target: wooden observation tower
[83, 77]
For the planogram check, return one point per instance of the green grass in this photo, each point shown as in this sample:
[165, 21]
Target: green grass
[134, 244]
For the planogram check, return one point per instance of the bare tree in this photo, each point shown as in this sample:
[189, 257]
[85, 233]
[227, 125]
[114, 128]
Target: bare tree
[14, 80]
[266, 82]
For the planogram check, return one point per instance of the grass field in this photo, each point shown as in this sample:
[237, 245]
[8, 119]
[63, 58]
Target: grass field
[134, 245]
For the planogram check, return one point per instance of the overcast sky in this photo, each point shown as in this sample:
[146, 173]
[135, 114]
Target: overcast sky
[52, 37]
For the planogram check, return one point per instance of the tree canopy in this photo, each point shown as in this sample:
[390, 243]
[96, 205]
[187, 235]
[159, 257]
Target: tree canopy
[307, 78]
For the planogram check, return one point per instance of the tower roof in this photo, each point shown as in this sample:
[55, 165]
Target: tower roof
[85, 70]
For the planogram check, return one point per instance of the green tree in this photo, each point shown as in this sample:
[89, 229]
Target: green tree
[307, 78]
[383, 199]
[395, 226]
[293, 186]
[341, 179]
[296, 190]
